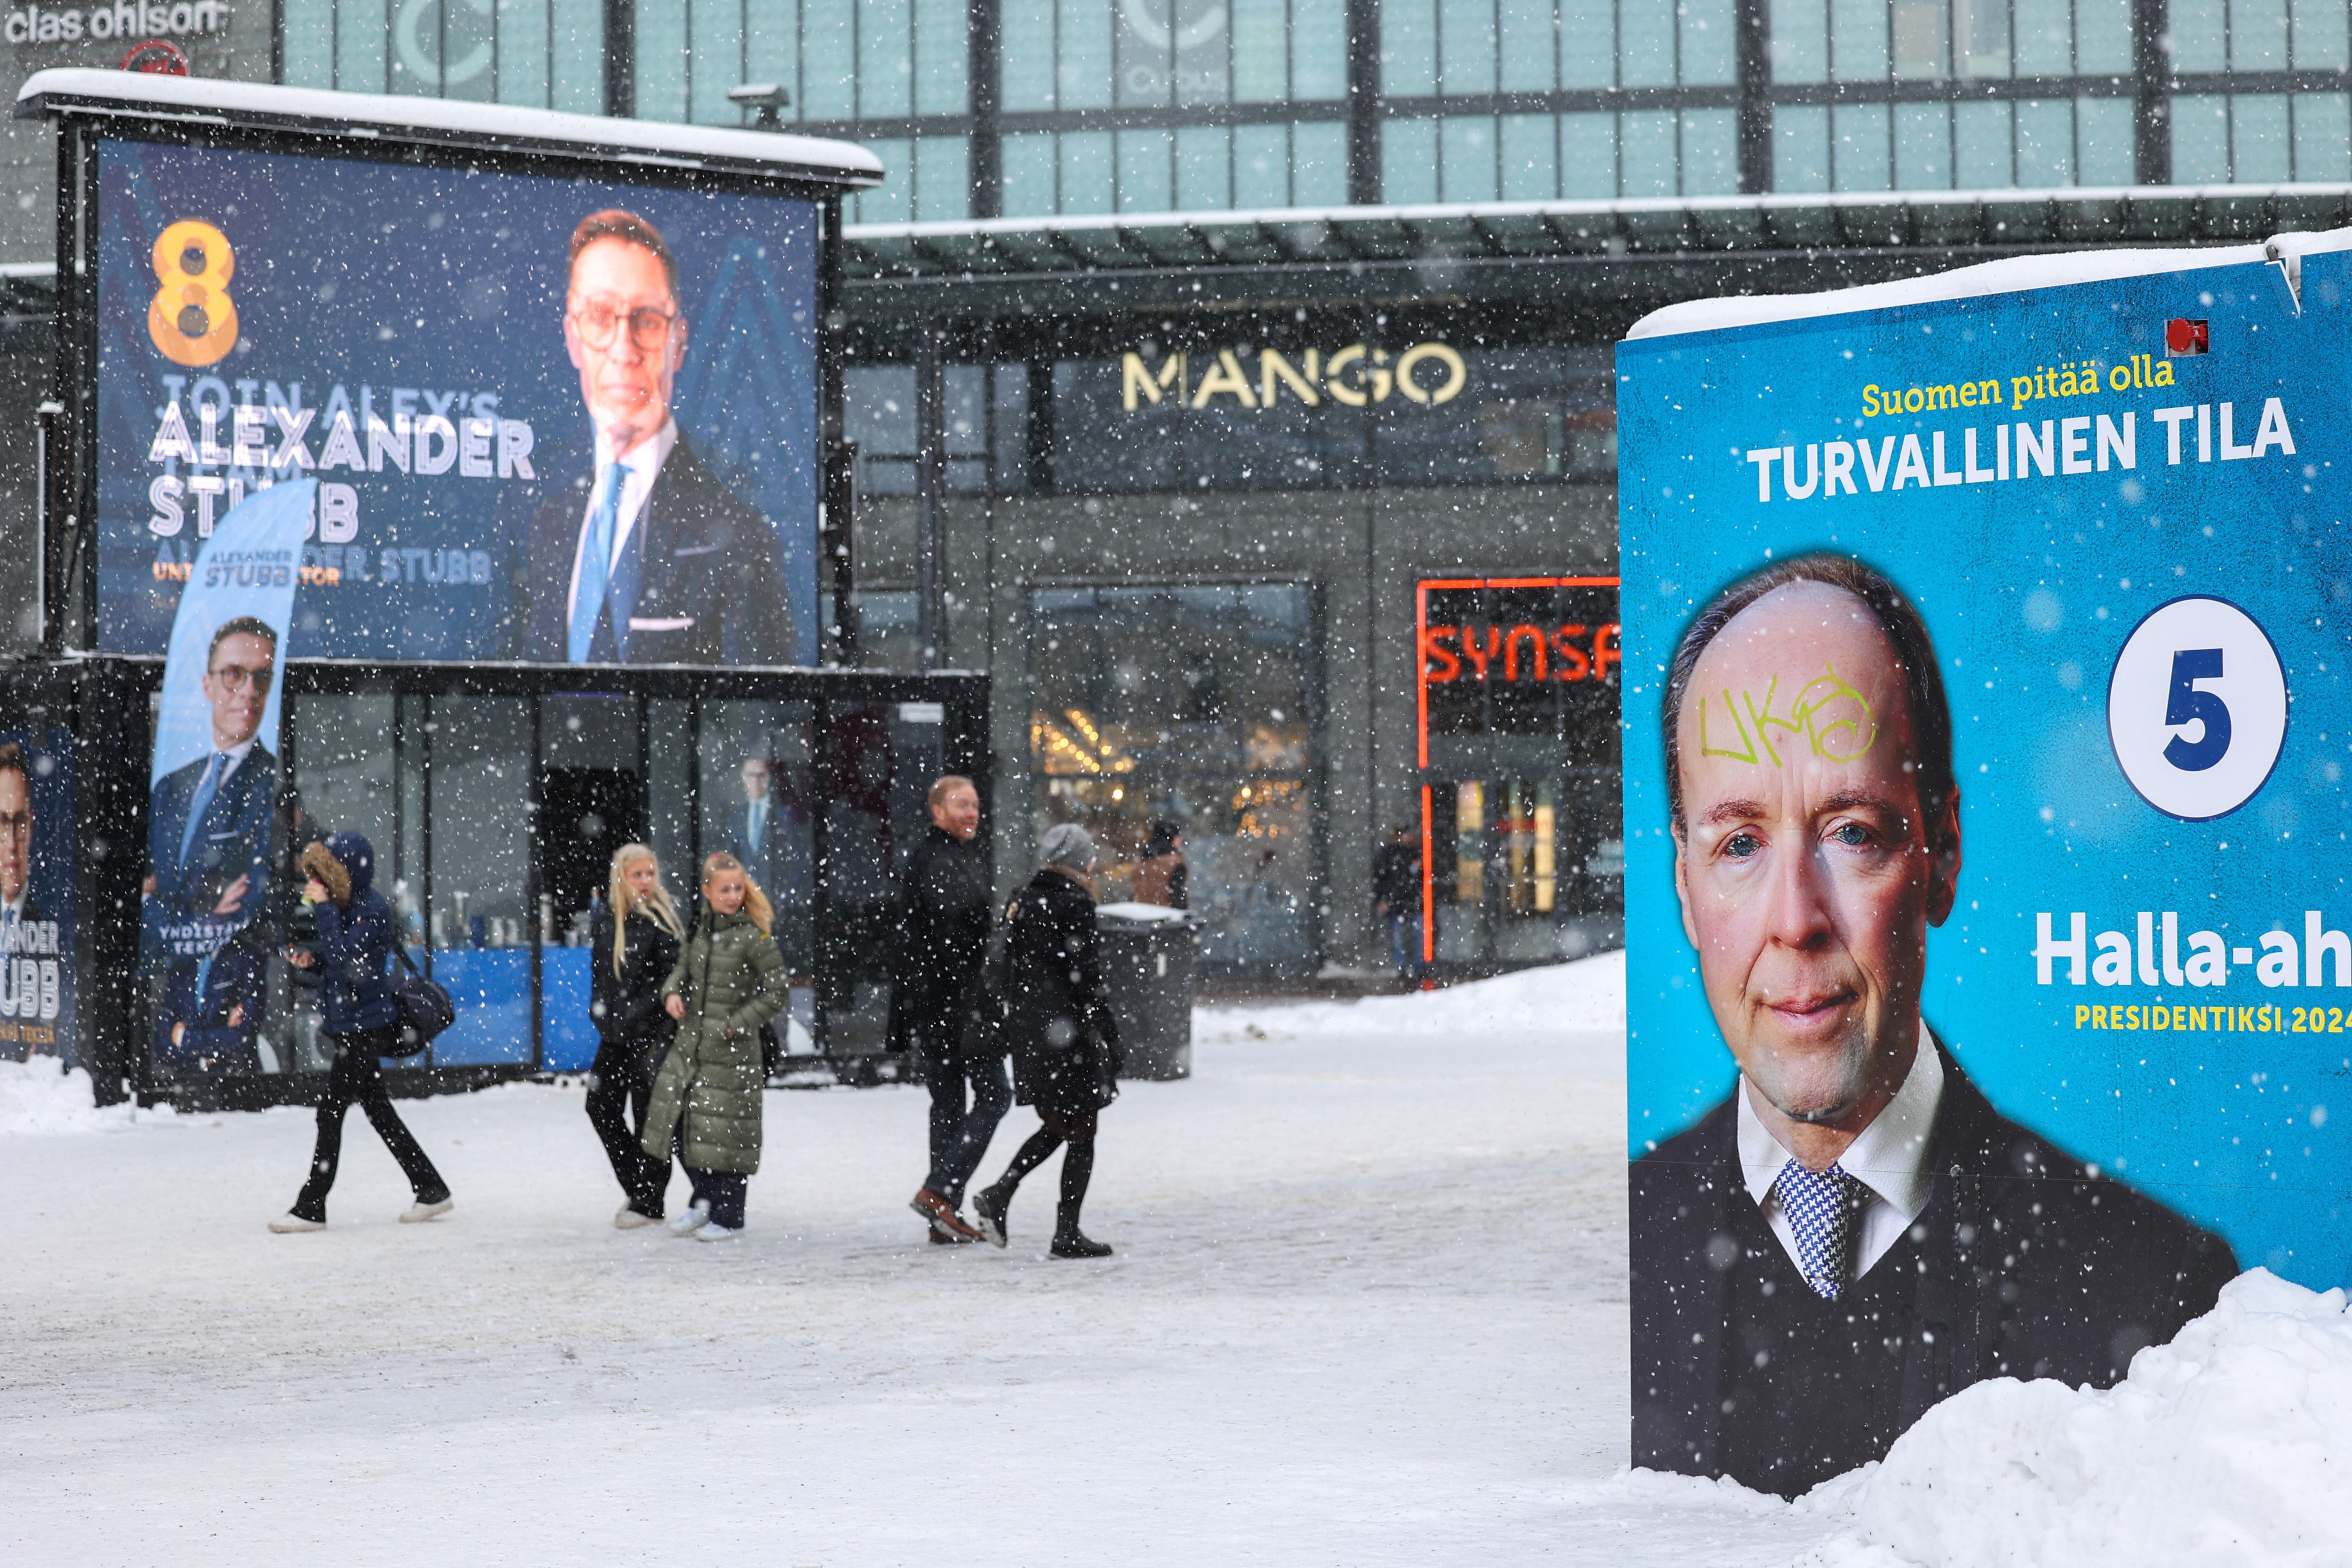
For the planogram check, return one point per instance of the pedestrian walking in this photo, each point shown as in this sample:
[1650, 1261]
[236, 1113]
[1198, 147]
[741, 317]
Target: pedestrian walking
[1065, 1054]
[1161, 877]
[1396, 899]
[360, 1020]
[941, 998]
[728, 980]
[633, 940]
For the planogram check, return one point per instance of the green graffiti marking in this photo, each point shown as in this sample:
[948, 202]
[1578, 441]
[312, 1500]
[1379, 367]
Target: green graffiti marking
[1838, 737]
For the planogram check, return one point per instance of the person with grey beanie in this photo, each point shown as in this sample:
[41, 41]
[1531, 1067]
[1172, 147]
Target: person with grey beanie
[1065, 1055]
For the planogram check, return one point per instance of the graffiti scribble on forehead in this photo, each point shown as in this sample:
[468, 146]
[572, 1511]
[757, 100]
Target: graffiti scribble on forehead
[1828, 716]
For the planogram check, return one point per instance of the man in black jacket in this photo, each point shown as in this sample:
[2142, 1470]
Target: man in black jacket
[939, 990]
[1856, 1233]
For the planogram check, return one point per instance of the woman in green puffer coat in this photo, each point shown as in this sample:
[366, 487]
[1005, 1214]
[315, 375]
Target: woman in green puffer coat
[730, 979]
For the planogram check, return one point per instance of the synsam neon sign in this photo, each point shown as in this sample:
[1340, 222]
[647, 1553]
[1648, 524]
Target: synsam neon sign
[1354, 376]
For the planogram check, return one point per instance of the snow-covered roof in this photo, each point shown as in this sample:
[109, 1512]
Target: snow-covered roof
[2010, 275]
[444, 121]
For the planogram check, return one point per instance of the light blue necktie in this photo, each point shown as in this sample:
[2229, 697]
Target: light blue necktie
[596, 565]
[1823, 1210]
[201, 802]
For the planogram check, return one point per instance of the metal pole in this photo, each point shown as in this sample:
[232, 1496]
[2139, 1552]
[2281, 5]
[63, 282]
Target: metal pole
[931, 482]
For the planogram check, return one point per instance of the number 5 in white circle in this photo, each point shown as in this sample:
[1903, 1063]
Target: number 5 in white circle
[2197, 708]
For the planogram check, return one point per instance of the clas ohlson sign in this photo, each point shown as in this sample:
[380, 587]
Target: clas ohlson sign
[1354, 375]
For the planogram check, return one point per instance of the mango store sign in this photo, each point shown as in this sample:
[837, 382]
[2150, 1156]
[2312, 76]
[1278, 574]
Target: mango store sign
[125, 19]
[1356, 376]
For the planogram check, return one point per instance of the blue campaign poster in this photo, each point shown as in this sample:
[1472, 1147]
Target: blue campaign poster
[2111, 493]
[550, 419]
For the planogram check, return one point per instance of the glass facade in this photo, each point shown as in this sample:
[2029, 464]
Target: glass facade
[1191, 706]
[1036, 108]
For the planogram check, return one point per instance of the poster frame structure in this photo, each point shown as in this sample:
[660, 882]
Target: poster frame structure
[362, 128]
[105, 702]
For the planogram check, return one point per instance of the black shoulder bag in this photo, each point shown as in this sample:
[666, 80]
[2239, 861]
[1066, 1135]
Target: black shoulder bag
[425, 1009]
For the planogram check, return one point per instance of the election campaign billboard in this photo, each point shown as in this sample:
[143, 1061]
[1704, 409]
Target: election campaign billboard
[1987, 722]
[555, 419]
[37, 893]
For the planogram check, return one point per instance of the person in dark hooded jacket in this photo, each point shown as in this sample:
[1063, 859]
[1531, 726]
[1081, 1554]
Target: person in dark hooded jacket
[1065, 1056]
[360, 1017]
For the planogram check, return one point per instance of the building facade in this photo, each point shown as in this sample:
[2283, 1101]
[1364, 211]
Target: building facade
[1230, 379]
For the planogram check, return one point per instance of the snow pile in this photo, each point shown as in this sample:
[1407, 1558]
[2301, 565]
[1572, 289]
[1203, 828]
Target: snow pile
[40, 1096]
[2231, 1445]
[1583, 996]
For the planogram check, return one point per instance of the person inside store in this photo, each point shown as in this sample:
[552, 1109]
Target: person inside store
[709, 1091]
[208, 823]
[634, 939]
[360, 1019]
[939, 1000]
[1161, 876]
[1855, 1233]
[644, 555]
[1396, 898]
[1066, 1055]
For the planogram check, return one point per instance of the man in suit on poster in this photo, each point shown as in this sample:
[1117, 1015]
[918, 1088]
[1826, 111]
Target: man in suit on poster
[645, 557]
[1855, 1233]
[208, 823]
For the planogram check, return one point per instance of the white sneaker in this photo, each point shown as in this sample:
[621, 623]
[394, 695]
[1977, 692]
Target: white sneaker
[717, 1233]
[417, 1212]
[630, 1219]
[697, 1215]
[294, 1224]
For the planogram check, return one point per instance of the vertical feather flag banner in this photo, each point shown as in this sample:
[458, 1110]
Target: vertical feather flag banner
[213, 778]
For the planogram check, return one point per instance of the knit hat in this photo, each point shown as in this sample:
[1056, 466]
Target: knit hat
[1067, 845]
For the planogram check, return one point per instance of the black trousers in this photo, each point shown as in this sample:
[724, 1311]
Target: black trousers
[1075, 1128]
[720, 1192]
[970, 1095]
[356, 1080]
[625, 1083]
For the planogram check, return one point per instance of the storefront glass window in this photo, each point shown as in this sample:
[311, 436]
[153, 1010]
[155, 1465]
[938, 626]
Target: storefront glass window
[1194, 708]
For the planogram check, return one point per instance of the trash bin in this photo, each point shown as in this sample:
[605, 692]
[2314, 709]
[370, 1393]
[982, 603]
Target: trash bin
[1147, 957]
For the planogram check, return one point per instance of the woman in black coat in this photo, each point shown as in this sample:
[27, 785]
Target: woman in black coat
[1064, 1043]
[634, 935]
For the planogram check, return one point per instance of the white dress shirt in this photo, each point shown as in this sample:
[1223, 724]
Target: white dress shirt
[640, 466]
[1890, 1158]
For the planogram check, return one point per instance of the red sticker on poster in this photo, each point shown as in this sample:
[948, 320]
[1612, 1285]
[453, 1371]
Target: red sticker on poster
[2185, 337]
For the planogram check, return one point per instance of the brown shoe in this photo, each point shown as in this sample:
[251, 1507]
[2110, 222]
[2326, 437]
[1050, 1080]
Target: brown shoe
[943, 1215]
[941, 1238]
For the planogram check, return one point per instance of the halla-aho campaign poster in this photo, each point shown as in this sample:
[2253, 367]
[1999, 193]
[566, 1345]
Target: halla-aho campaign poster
[1987, 729]
[555, 420]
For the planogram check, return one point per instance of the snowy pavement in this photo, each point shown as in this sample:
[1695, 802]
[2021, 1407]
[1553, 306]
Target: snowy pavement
[1368, 1306]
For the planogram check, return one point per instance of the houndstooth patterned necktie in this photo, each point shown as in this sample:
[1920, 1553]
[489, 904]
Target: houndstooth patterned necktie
[1824, 1212]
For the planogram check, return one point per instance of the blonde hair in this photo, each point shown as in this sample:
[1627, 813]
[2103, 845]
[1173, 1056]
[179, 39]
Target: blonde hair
[755, 902]
[623, 900]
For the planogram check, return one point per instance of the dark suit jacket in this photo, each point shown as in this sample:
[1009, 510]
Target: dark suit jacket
[202, 994]
[702, 574]
[232, 841]
[2029, 1267]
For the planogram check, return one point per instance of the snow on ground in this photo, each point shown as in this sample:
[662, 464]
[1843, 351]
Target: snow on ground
[1368, 1307]
[2226, 1448]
